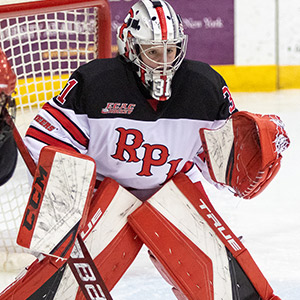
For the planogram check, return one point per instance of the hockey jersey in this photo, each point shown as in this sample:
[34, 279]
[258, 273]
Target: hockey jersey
[103, 112]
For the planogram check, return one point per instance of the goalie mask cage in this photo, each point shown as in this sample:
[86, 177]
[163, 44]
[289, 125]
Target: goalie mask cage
[44, 41]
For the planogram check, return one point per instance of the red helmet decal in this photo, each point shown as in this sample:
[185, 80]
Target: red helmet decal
[163, 22]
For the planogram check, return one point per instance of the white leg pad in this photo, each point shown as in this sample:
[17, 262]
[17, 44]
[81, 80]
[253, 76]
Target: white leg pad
[191, 243]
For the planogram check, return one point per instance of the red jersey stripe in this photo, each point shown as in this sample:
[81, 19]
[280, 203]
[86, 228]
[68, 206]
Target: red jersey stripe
[47, 139]
[68, 125]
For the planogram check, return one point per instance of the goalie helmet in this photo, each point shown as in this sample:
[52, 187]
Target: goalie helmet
[152, 38]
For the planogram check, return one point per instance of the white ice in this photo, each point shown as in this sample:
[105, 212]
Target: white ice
[269, 223]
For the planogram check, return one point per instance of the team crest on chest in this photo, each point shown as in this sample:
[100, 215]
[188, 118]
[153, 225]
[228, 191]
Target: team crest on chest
[118, 108]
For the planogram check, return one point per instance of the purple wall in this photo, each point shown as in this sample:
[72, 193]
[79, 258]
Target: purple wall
[208, 23]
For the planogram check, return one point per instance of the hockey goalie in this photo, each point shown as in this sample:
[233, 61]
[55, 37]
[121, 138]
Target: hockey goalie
[120, 155]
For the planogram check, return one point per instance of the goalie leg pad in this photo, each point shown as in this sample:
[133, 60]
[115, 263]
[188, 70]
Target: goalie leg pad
[184, 245]
[111, 242]
[223, 232]
[185, 220]
[37, 279]
[163, 272]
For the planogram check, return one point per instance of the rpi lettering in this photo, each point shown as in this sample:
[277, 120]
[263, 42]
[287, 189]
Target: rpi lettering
[34, 199]
[131, 140]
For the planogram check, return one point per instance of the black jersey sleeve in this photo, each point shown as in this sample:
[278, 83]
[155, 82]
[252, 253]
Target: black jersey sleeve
[211, 100]
[203, 92]
[227, 106]
[72, 95]
[221, 101]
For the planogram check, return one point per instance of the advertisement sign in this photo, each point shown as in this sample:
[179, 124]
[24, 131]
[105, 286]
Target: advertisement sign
[209, 25]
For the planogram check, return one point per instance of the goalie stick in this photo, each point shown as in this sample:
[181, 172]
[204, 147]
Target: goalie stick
[86, 273]
[20, 144]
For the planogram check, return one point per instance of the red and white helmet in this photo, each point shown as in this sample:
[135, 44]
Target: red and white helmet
[155, 24]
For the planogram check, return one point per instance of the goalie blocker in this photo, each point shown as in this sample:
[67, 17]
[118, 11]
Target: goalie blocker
[59, 202]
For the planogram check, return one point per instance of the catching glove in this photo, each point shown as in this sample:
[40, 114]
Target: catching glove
[245, 153]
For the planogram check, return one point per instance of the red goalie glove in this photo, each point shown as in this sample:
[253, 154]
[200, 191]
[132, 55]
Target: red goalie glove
[245, 153]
